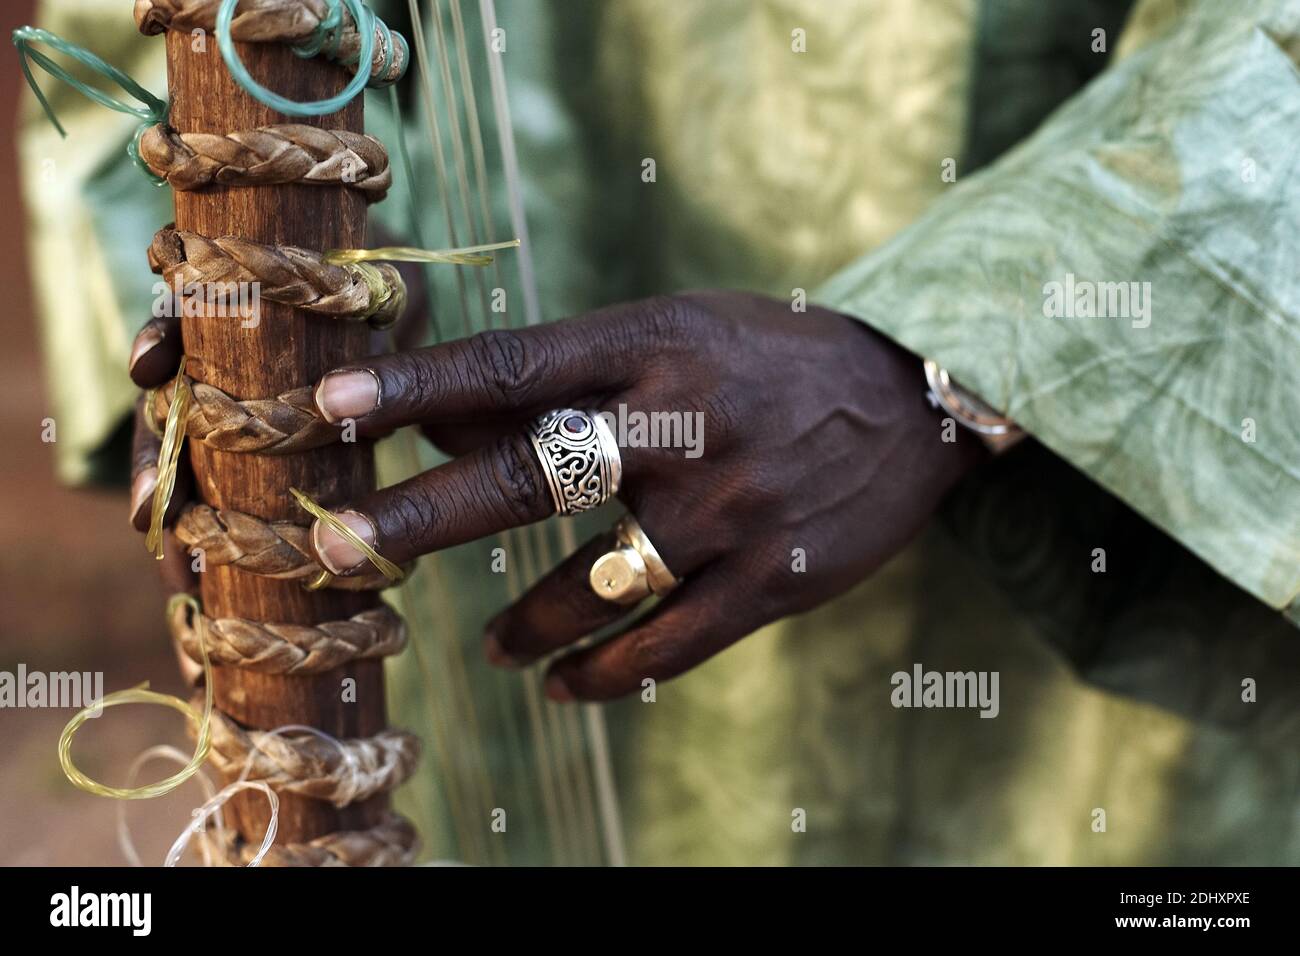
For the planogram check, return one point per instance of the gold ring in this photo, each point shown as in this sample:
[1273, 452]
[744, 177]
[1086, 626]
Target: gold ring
[633, 570]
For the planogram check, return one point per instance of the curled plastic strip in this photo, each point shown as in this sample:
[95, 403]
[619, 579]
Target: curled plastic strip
[216, 801]
[142, 695]
[385, 567]
[169, 455]
[160, 752]
[465, 256]
[211, 808]
[324, 41]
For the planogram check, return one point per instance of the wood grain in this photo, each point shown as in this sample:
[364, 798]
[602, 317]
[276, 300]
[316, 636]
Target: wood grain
[288, 348]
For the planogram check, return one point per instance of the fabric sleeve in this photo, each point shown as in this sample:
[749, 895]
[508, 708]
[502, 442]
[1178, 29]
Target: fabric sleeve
[90, 213]
[1123, 285]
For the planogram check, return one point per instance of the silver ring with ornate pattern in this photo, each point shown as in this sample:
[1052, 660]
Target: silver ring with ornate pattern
[579, 456]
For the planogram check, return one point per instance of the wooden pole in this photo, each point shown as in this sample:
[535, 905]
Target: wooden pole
[287, 349]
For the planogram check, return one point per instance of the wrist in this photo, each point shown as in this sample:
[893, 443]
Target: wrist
[945, 449]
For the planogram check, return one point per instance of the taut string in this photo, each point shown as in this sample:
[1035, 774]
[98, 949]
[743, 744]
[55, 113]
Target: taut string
[606, 793]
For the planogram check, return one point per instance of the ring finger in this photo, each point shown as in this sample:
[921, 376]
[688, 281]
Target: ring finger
[556, 611]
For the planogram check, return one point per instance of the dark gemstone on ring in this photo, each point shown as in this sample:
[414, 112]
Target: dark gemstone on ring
[574, 424]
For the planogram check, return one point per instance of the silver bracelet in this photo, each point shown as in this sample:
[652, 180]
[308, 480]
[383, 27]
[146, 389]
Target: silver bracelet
[996, 431]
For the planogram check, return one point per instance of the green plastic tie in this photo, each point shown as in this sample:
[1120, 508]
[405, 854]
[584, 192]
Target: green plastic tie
[151, 109]
[323, 41]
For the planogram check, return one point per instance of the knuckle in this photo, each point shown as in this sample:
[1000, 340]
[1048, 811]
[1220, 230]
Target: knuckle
[576, 601]
[665, 319]
[418, 379]
[652, 653]
[505, 365]
[420, 517]
[515, 477]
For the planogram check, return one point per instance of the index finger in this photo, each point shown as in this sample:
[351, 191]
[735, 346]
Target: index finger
[508, 374]
[155, 352]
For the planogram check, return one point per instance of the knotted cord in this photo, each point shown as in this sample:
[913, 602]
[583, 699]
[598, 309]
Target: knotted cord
[271, 549]
[325, 39]
[283, 425]
[287, 757]
[268, 155]
[341, 772]
[310, 27]
[284, 274]
[391, 842]
[289, 648]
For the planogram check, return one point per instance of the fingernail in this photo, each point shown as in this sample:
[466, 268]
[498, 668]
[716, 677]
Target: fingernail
[557, 690]
[145, 342]
[142, 492]
[495, 654]
[335, 551]
[348, 394]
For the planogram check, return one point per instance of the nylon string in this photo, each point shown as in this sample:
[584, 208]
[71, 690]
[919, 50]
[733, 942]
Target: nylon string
[606, 794]
[451, 105]
[575, 791]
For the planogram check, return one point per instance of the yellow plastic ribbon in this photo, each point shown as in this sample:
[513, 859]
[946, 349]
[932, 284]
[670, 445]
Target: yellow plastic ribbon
[385, 567]
[467, 256]
[169, 455]
[142, 695]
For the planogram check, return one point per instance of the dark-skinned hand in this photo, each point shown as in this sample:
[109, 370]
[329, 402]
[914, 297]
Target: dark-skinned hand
[816, 437]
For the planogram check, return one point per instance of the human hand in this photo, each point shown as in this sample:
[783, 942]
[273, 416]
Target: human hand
[816, 436]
